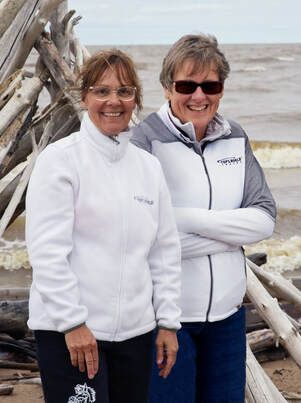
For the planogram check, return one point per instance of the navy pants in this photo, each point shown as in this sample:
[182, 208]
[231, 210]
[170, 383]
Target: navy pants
[210, 365]
[124, 375]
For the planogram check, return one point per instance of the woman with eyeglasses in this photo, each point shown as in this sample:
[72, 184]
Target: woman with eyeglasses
[221, 202]
[104, 249]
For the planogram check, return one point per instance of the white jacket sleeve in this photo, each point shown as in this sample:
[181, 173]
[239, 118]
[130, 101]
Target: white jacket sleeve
[193, 246]
[49, 226]
[164, 261]
[237, 227]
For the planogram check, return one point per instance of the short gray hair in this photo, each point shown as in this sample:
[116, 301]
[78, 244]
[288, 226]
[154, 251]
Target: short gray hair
[201, 49]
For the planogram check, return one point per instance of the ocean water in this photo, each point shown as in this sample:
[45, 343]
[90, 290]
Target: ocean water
[262, 93]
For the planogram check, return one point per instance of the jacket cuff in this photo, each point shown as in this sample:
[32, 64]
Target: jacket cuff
[73, 328]
[166, 328]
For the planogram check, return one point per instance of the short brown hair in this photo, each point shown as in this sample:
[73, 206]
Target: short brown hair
[201, 49]
[115, 60]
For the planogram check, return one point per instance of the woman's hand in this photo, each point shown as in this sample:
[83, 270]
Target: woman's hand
[83, 350]
[167, 348]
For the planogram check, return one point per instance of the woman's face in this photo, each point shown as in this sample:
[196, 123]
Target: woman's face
[198, 108]
[110, 116]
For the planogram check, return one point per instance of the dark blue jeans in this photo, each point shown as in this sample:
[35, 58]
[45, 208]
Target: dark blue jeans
[210, 366]
[124, 374]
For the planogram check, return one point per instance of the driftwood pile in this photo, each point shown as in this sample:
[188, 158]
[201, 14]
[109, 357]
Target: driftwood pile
[45, 27]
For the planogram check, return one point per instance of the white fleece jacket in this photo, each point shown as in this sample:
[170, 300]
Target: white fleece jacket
[101, 238]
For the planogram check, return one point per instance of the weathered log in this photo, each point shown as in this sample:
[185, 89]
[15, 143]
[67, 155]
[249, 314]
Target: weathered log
[6, 390]
[14, 293]
[80, 53]
[271, 354]
[255, 322]
[261, 339]
[19, 365]
[281, 286]
[58, 31]
[23, 98]
[269, 309]
[65, 122]
[18, 128]
[59, 70]
[14, 316]
[259, 387]
[8, 87]
[18, 40]
[22, 185]
[8, 11]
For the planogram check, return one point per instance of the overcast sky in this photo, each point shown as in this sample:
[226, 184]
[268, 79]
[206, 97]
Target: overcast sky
[118, 22]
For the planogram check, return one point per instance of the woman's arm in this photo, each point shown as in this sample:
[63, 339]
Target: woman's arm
[49, 227]
[237, 227]
[252, 222]
[194, 245]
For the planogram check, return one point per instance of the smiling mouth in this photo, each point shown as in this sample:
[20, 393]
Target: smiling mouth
[112, 114]
[197, 108]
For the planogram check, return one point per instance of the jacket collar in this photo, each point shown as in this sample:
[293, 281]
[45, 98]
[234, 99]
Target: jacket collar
[218, 127]
[112, 147]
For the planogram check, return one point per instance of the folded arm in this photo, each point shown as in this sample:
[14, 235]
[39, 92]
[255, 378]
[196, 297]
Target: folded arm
[252, 222]
[194, 245]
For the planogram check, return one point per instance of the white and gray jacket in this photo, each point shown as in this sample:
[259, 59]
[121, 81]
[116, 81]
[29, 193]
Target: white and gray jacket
[101, 238]
[221, 202]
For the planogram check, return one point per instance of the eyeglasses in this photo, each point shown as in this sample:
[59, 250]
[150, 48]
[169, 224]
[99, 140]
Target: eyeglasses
[208, 87]
[103, 92]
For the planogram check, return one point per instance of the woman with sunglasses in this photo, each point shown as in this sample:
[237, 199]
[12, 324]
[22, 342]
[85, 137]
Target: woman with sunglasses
[104, 249]
[221, 202]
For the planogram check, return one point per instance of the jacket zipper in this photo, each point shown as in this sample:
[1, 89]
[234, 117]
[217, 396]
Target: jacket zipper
[209, 257]
[124, 228]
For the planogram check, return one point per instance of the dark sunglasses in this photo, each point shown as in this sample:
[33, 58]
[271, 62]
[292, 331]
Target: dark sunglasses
[208, 87]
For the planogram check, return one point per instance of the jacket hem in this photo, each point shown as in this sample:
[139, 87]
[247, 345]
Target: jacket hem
[211, 318]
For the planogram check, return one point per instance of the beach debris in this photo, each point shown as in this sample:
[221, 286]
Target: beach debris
[6, 390]
[269, 309]
[43, 30]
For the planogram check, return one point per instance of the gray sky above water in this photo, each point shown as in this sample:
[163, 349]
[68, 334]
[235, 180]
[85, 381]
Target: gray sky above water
[132, 22]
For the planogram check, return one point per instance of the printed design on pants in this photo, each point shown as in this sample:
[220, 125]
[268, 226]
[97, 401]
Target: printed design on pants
[83, 394]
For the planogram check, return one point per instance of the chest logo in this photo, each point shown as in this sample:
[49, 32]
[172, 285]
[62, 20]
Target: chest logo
[143, 199]
[230, 161]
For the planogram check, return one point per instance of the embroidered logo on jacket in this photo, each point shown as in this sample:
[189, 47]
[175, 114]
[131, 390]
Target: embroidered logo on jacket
[230, 161]
[83, 394]
[143, 199]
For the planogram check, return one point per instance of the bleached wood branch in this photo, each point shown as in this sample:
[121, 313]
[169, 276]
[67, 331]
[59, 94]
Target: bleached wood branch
[18, 40]
[281, 286]
[8, 11]
[259, 387]
[270, 311]
[66, 122]
[58, 30]
[22, 185]
[8, 87]
[59, 71]
[261, 339]
[22, 99]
